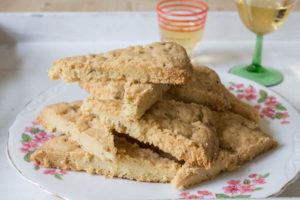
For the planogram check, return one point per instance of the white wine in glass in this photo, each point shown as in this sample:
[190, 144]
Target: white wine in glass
[262, 17]
[186, 37]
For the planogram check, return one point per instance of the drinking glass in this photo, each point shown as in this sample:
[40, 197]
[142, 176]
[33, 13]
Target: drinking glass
[182, 21]
[262, 17]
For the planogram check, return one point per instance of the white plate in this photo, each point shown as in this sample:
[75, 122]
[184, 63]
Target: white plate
[265, 176]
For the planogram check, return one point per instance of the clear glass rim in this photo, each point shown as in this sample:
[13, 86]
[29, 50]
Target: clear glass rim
[293, 2]
[200, 5]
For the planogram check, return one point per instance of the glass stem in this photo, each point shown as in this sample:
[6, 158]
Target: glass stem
[256, 61]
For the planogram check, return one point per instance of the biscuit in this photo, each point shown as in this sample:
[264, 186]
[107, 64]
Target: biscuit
[137, 97]
[205, 87]
[241, 135]
[186, 131]
[240, 141]
[160, 62]
[133, 162]
[242, 108]
[87, 131]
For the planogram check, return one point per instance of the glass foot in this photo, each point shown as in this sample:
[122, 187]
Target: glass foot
[268, 77]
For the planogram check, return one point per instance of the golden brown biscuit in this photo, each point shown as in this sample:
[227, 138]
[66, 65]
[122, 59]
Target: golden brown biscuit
[186, 131]
[241, 135]
[136, 97]
[204, 88]
[242, 108]
[240, 141]
[133, 162]
[87, 131]
[160, 62]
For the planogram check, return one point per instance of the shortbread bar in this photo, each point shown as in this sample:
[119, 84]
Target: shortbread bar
[137, 97]
[204, 88]
[242, 108]
[244, 136]
[87, 131]
[133, 162]
[240, 141]
[186, 131]
[160, 62]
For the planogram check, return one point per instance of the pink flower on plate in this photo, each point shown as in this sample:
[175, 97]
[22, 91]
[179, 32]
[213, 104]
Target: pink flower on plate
[239, 86]
[28, 129]
[259, 181]
[257, 106]
[253, 175]
[230, 88]
[40, 137]
[246, 188]
[35, 123]
[28, 146]
[250, 97]
[240, 96]
[234, 182]
[50, 171]
[285, 115]
[231, 189]
[271, 101]
[195, 197]
[184, 194]
[250, 93]
[284, 122]
[37, 164]
[269, 112]
[62, 171]
[204, 192]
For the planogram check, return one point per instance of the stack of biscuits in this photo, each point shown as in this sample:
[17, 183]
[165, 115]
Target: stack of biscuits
[151, 117]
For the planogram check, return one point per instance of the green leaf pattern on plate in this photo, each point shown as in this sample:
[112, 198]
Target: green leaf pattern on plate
[31, 139]
[266, 104]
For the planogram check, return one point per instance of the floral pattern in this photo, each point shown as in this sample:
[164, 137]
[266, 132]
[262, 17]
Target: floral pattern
[235, 189]
[268, 106]
[32, 138]
[201, 194]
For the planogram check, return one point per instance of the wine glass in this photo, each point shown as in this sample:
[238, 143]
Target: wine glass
[262, 17]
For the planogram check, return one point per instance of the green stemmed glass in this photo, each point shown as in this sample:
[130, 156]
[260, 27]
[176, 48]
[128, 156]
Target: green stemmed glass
[262, 17]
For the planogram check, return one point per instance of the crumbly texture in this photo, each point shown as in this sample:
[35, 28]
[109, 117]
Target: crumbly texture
[133, 162]
[242, 108]
[105, 89]
[137, 97]
[240, 141]
[243, 136]
[186, 131]
[189, 175]
[204, 88]
[87, 131]
[160, 62]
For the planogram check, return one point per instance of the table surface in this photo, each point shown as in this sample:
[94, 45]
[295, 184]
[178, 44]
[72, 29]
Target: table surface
[30, 41]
